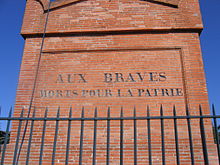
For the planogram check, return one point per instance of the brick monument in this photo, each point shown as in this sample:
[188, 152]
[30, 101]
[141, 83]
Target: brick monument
[113, 53]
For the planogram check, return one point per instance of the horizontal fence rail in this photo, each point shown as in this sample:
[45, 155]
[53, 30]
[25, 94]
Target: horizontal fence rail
[148, 139]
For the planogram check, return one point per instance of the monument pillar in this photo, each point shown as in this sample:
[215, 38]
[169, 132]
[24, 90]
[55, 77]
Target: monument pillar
[117, 53]
[112, 53]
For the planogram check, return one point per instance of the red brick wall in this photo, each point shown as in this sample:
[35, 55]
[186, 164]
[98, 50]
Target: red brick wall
[114, 53]
[166, 61]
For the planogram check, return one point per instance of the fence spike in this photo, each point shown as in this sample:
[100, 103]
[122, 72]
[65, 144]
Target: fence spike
[34, 112]
[95, 114]
[10, 112]
[200, 110]
[46, 112]
[58, 112]
[22, 112]
[82, 113]
[134, 111]
[70, 112]
[213, 109]
[187, 111]
[161, 110]
[109, 111]
[174, 110]
[121, 112]
[148, 111]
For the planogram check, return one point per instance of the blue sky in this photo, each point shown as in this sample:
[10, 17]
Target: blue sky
[11, 15]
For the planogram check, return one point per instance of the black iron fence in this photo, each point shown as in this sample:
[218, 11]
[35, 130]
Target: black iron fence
[165, 139]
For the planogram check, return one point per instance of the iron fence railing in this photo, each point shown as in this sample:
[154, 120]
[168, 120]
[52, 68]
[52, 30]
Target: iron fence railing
[21, 149]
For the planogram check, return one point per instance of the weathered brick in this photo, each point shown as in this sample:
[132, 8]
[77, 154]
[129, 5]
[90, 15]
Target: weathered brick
[100, 53]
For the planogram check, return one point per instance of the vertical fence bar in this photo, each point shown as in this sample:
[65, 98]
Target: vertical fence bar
[108, 138]
[43, 137]
[203, 138]
[94, 138]
[81, 137]
[135, 137]
[30, 138]
[176, 136]
[149, 136]
[216, 132]
[68, 137]
[55, 137]
[162, 136]
[18, 137]
[121, 137]
[190, 135]
[6, 137]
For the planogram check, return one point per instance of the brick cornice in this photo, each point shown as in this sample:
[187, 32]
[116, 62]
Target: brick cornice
[113, 32]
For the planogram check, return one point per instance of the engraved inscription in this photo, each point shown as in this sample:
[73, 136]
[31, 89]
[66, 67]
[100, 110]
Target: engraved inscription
[113, 78]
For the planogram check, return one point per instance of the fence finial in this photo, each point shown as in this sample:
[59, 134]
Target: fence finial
[200, 110]
[82, 113]
[70, 112]
[174, 110]
[121, 111]
[148, 111]
[213, 109]
[95, 114]
[109, 111]
[134, 112]
[161, 110]
[10, 112]
[187, 111]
